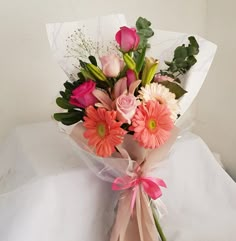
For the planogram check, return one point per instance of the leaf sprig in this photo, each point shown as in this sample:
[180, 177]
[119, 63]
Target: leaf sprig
[183, 60]
[144, 31]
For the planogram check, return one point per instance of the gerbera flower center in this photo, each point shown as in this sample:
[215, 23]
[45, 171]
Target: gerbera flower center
[101, 130]
[152, 124]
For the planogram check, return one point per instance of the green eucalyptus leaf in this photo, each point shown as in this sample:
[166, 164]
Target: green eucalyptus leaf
[173, 68]
[183, 59]
[146, 32]
[191, 60]
[180, 63]
[193, 41]
[148, 45]
[142, 43]
[142, 23]
[192, 50]
[174, 88]
[180, 52]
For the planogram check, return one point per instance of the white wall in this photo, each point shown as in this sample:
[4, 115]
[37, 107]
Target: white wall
[30, 79]
[216, 102]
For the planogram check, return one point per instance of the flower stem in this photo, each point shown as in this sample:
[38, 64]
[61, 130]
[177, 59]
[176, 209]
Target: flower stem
[158, 226]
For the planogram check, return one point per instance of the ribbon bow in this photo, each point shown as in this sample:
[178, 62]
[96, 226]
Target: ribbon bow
[151, 185]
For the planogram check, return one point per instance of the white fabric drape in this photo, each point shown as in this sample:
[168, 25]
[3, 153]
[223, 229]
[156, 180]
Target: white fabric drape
[48, 194]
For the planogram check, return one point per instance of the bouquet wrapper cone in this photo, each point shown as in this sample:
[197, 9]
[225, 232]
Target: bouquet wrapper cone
[137, 224]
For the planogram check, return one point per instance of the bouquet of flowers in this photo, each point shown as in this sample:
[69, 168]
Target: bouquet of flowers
[126, 109]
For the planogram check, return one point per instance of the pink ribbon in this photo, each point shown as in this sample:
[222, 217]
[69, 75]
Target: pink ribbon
[150, 185]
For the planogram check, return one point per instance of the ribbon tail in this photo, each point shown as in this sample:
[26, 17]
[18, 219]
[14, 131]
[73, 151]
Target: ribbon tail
[134, 197]
[139, 215]
[122, 218]
[145, 218]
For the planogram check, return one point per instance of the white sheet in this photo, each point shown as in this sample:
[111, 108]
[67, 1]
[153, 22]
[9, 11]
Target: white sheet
[48, 194]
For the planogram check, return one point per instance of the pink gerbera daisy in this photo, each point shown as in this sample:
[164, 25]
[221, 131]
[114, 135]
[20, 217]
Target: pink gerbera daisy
[152, 124]
[103, 131]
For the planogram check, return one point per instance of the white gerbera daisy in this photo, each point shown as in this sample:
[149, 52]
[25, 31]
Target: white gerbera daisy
[155, 91]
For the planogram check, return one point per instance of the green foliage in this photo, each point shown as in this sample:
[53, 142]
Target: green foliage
[184, 58]
[68, 85]
[71, 117]
[93, 60]
[64, 103]
[140, 60]
[129, 61]
[142, 23]
[73, 114]
[96, 72]
[144, 31]
[174, 88]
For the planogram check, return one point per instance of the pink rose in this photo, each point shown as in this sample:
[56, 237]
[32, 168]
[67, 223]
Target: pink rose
[160, 78]
[111, 65]
[83, 96]
[126, 106]
[127, 38]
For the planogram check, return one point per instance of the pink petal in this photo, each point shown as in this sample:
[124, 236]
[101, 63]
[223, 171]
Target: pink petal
[104, 98]
[131, 77]
[118, 37]
[120, 87]
[127, 38]
[133, 86]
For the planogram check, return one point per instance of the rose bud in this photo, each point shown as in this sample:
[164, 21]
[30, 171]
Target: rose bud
[127, 38]
[111, 65]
